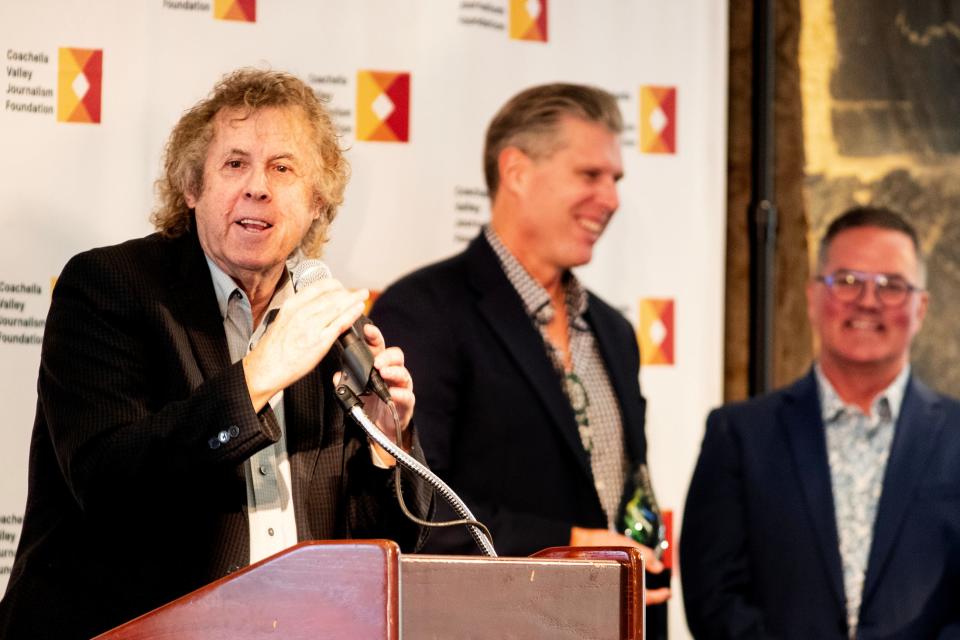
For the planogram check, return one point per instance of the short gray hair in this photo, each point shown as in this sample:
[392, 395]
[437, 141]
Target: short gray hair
[872, 216]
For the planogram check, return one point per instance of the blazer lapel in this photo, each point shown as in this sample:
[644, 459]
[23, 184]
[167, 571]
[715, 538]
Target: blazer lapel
[501, 307]
[303, 408]
[803, 423]
[193, 295]
[918, 429]
[310, 422]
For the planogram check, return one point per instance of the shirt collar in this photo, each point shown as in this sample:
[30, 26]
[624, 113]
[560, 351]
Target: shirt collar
[535, 298]
[224, 287]
[885, 405]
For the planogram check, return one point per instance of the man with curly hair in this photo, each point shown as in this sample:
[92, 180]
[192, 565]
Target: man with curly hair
[186, 423]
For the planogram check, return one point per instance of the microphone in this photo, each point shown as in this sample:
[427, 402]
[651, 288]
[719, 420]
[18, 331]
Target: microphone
[360, 374]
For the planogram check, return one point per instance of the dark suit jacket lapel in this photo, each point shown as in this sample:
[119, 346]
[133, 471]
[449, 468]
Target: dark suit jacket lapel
[304, 411]
[915, 440]
[501, 307]
[303, 408]
[193, 295]
[623, 379]
[800, 416]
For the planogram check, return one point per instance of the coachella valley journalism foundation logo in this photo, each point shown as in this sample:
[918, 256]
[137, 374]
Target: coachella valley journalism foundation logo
[528, 20]
[79, 78]
[655, 334]
[383, 106]
[658, 119]
[240, 10]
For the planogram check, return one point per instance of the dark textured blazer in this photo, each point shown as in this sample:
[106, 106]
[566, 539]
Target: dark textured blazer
[759, 552]
[130, 504]
[491, 412]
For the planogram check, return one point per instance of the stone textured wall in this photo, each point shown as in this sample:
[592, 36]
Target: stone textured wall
[867, 111]
[881, 96]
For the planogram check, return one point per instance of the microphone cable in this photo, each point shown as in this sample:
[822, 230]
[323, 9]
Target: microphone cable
[480, 534]
[357, 358]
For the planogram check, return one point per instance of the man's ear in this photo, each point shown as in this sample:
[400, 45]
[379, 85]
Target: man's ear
[191, 199]
[514, 167]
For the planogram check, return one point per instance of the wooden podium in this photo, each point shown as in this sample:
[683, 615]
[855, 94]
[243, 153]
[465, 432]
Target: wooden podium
[367, 590]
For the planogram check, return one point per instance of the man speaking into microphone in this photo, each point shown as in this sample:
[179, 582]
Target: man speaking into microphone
[186, 422]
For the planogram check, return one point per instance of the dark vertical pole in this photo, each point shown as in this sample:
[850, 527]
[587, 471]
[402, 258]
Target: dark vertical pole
[763, 210]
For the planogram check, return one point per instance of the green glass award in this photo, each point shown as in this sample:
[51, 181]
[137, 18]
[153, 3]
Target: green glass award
[642, 520]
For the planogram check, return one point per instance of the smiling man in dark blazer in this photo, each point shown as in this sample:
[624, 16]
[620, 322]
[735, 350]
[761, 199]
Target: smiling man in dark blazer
[528, 398]
[186, 422]
[831, 509]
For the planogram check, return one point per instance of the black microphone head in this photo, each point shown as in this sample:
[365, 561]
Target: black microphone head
[358, 361]
[309, 271]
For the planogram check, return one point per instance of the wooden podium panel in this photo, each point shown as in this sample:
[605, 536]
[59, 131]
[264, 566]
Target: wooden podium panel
[633, 622]
[338, 590]
[454, 597]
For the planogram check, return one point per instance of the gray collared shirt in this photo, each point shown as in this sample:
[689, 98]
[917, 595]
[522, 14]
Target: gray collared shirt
[587, 386]
[270, 512]
[858, 446]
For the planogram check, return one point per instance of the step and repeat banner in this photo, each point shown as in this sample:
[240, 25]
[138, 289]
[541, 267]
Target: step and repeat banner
[92, 89]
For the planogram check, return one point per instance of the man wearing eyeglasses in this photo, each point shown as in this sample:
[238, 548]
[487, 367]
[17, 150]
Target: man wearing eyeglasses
[831, 508]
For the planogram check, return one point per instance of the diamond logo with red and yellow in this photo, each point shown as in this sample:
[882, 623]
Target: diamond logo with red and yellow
[383, 106]
[658, 119]
[655, 334]
[239, 10]
[528, 20]
[79, 80]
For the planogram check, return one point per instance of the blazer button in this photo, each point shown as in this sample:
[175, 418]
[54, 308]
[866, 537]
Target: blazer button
[223, 437]
[214, 443]
[234, 431]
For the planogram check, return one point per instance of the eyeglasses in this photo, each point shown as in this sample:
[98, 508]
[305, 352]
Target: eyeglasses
[848, 286]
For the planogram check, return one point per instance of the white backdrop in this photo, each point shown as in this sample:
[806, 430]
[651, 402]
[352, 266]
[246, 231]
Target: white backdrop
[71, 179]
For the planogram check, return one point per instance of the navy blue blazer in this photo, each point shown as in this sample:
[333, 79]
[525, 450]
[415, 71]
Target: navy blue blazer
[759, 556]
[491, 412]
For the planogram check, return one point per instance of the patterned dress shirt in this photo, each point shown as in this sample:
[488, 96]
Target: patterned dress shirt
[858, 446]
